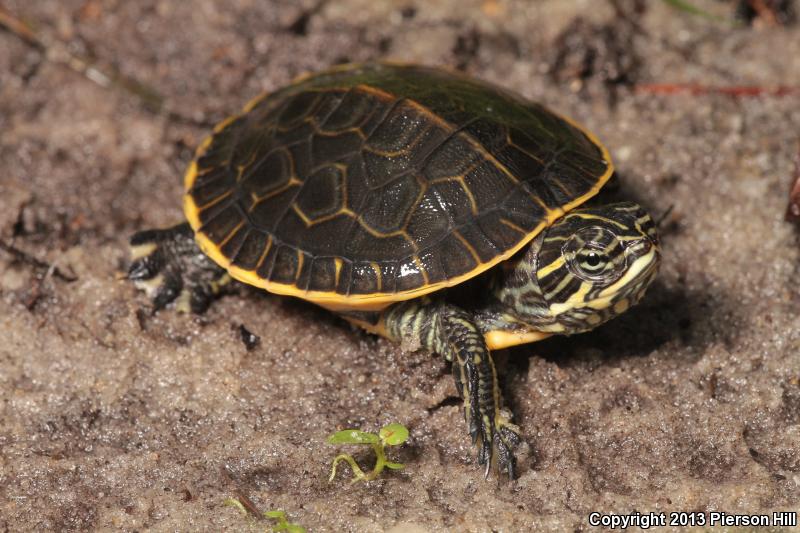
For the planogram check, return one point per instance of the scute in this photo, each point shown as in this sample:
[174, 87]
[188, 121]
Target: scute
[386, 208]
[365, 185]
[264, 177]
[321, 197]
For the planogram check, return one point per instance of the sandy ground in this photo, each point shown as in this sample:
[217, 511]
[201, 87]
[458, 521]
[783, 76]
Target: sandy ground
[115, 419]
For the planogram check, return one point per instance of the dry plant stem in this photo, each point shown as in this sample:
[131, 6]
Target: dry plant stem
[793, 209]
[736, 91]
[110, 78]
[28, 259]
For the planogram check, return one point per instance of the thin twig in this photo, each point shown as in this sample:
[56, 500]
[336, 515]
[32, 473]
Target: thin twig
[109, 78]
[736, 91]
[793, 210]
[28, 259]
[249, 504]
[243, 499]
[20, 29]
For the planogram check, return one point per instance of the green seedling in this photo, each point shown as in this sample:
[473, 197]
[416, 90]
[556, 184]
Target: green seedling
[390, 435]
[282, 525]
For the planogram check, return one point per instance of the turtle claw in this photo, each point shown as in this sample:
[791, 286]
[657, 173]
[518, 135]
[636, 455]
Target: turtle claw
[495, 435]
[506, 438]
[169, 267]
[497, 441]
[473, 433]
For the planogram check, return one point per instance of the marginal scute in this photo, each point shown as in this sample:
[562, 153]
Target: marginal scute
[409, 275]
[323, 274]
[303, 276]
[286, 265]
[266, 262]
[587, 168]
[218, 154]
[365, 279]
[388, 272]
[345, 277]
[210, 175]
[251, 250]
[211, 191]
[431, 263]
[380, 183]
[235, 240]
[209, 213]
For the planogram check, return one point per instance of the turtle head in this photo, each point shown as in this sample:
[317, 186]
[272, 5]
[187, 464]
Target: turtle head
[587, 267]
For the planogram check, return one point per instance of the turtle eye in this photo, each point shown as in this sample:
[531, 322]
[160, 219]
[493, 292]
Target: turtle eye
[591, 262]
[592, 259]
[594, 254]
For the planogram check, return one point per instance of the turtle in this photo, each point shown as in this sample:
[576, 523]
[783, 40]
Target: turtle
[434, 209]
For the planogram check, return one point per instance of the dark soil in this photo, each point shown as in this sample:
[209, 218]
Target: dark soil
[116, 419]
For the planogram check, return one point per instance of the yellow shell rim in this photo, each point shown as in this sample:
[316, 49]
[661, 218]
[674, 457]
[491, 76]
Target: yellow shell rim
[372, 301]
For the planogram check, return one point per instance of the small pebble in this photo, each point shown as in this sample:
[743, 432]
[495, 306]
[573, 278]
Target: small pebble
[250, 339]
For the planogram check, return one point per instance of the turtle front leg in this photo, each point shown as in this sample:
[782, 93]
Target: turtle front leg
[168, 265]
[453, 333]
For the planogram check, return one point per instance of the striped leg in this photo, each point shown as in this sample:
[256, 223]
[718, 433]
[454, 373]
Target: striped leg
[452, 333]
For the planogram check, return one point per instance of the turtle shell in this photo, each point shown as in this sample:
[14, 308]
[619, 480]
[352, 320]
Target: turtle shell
[370, 184]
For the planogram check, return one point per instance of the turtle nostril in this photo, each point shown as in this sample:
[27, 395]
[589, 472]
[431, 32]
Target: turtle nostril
[640, 247]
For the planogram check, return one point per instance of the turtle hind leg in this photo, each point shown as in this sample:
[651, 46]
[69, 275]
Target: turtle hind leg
[453, 333]
[476, 381]
[169, 266]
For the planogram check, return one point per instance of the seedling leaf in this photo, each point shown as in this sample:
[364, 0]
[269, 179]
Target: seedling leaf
[353, 436]
[393, 434]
